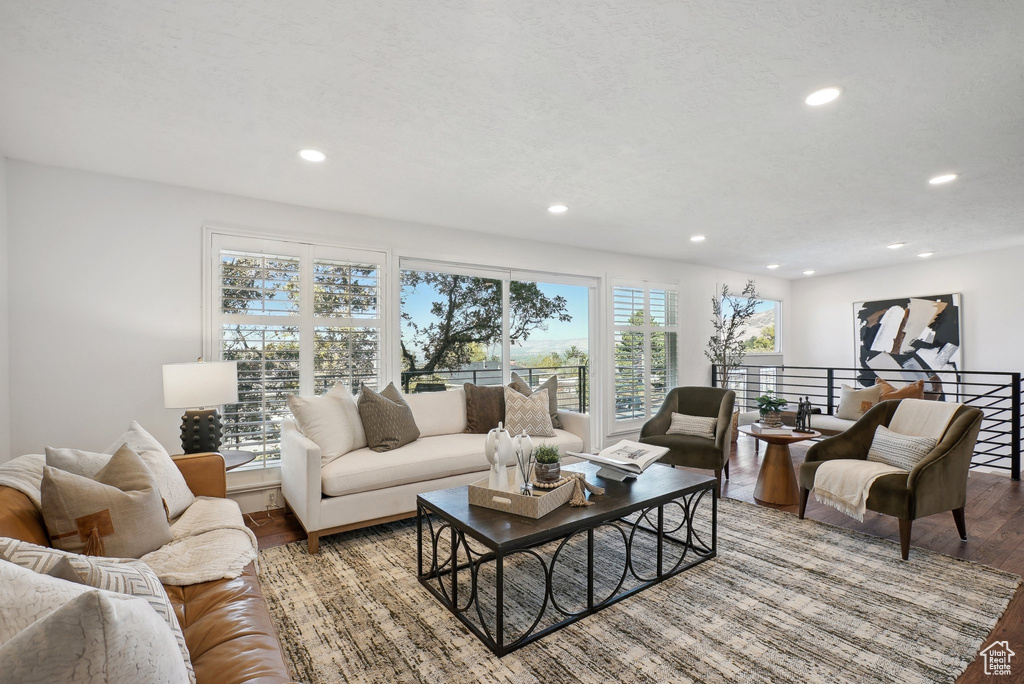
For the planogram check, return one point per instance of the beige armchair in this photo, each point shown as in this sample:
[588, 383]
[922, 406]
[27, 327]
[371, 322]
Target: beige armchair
[687, 450]
[937, 484]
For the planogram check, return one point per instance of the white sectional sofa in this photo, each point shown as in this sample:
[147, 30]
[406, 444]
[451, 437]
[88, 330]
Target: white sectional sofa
[366, 487]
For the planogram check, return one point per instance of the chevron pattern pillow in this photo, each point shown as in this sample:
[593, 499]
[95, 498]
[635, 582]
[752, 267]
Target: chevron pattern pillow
[528, 414]
[697, 426]
[902, 451]
[133, 578]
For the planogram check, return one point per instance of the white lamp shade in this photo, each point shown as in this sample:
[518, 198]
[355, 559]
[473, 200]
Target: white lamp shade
[194, 385]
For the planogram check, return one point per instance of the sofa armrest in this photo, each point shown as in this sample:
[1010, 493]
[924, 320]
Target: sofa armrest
[204, 473]
[300, 475]
[855, 441]
[578, 424]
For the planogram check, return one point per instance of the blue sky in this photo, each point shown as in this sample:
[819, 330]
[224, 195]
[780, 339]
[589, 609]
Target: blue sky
[417, 304]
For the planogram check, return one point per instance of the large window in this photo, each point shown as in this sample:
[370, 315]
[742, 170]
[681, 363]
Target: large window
[463, 324]
[760, 334]
[645, 324]
[297, 318]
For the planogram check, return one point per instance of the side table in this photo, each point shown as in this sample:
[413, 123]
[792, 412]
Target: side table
[776, 481]
[233, 458]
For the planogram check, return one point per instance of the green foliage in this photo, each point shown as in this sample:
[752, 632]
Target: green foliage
[725, 348]
[546, 453]
[769, 402]
[765, 342]
[468, 312]
[629, 363]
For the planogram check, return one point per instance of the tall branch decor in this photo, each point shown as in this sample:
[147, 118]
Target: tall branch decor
[725, 347]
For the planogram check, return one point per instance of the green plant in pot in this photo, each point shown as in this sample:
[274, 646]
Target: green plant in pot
[548, 468]
[770, 406]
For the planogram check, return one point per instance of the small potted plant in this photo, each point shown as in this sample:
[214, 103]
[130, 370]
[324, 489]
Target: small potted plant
[548, 468]
[771, 405]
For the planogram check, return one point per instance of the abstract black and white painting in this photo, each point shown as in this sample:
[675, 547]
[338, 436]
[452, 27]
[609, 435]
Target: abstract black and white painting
[909, 339]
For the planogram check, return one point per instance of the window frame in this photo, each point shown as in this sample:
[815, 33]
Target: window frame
[615, 426]
[216, 240]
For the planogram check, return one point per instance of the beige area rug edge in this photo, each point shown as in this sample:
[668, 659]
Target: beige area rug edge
[358, 614]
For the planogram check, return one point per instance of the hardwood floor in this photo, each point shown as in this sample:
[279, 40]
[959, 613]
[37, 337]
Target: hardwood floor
[995, 531]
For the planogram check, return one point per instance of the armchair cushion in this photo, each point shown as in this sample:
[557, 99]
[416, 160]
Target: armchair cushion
[902, 451]
[698, 426]
[689, 451]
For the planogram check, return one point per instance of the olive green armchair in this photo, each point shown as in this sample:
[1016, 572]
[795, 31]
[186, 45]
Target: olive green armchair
[937, 484]
[688, 450]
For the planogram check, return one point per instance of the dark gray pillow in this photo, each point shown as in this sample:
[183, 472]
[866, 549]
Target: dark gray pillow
[485, 408]
[387, 420]
[551, 385]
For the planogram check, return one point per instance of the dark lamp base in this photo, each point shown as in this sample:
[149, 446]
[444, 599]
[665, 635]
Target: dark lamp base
[201, 431]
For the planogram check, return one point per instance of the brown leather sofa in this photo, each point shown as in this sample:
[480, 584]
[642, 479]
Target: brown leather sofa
[227, 626]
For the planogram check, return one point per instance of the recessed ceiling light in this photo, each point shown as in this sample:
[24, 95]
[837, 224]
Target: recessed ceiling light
[558, 208]
[925, 255]
[896, 245]
[944, 178]
[312, 155]
[809, 272]
[698, 238]
[772, 266]
[823, 96]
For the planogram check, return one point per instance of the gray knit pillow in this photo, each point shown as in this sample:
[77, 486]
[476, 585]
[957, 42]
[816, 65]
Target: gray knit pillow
[902, 451]
[387, 419]
[697, 426]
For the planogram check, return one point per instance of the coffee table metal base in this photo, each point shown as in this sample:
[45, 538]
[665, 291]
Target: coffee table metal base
[449, 580]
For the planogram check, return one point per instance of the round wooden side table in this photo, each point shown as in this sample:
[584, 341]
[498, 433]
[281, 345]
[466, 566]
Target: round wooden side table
[233, 458]
[776, 481]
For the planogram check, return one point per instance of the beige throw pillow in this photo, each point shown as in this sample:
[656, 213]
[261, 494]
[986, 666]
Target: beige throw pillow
[387, 420]
[118, 513]
[527, 414]
[132, 578]
[55, 631]
[696, 426]
[169, 479]
[551, 385]
[902, 451]
[326, 421]
[853, 403]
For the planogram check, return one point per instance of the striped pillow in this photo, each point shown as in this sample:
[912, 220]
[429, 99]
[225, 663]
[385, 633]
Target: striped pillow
[698, 426]
[902, 451]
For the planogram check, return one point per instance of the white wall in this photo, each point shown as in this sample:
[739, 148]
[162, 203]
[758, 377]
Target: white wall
[109, 289]
[5, 386]
[821, 329]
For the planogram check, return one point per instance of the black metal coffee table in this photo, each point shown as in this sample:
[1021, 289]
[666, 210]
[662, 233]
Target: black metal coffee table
[454, 576]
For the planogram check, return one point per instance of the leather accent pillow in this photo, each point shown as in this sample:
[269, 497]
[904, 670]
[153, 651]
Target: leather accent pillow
[169, 479]
[55, 631]
[697, 426]
[902, 451]
[387, 420]
[914, 390]
[132, 578]
[324, 420]
[551, 385]
[485, 407]
[527, 414]
[853, 403]
[118, 513]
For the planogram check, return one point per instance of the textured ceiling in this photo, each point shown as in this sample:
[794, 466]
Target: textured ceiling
[652, 120]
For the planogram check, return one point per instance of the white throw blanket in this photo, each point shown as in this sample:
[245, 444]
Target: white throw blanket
[843, 483]
[209, 540]
[921, 418]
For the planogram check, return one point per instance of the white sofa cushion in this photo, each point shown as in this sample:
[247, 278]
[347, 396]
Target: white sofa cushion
[428, 458]
[438, 413]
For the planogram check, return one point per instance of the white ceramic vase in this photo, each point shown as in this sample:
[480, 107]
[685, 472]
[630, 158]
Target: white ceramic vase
[500, 451]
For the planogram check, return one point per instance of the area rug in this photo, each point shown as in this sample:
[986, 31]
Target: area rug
[786, 600]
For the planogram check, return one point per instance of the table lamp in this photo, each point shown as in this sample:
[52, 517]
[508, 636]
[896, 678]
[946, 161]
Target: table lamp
[196, 386]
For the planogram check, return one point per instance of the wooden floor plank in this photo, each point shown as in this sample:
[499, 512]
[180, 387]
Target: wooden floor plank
[995, 530]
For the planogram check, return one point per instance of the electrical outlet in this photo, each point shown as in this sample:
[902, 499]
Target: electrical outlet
[272, 498]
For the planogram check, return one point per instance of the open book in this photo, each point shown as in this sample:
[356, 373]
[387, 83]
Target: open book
[628, 458]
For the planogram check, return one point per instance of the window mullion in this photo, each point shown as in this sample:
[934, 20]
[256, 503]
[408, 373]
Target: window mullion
[506, 323]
